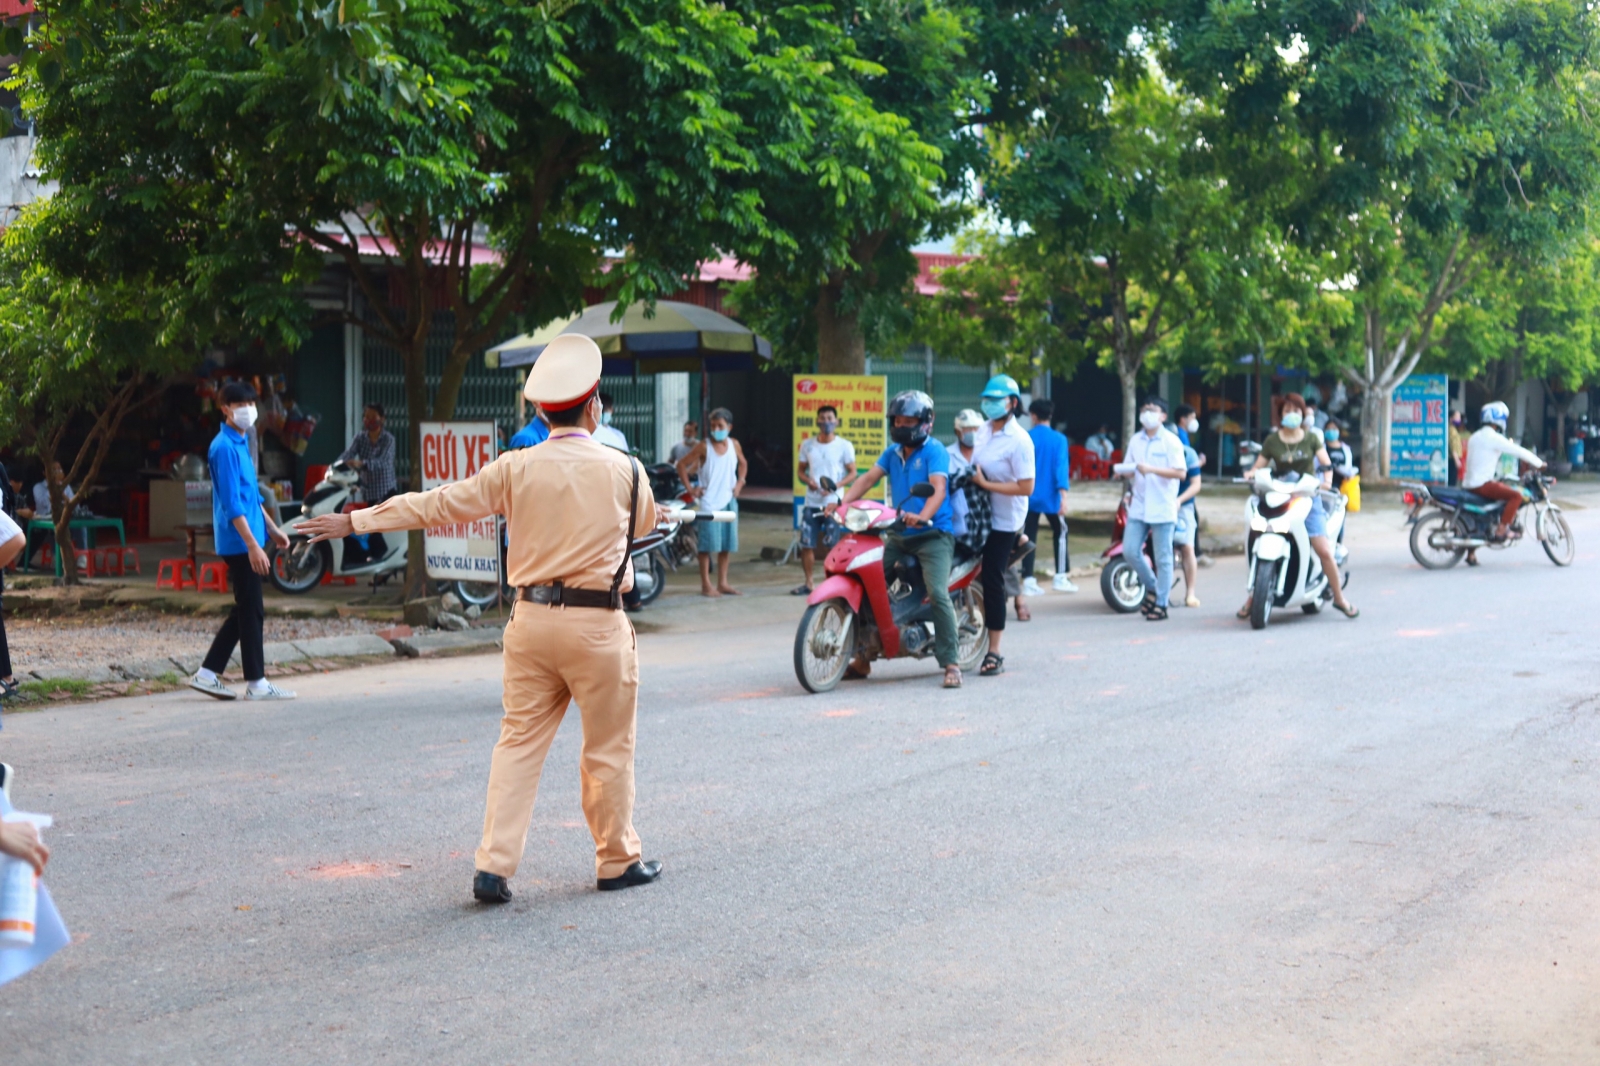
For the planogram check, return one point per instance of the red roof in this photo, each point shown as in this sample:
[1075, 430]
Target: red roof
[15, 8]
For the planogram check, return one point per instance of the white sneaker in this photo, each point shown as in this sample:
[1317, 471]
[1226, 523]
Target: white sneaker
[1063, 583]
[214, 688]
[271, 692]
[1030, 587]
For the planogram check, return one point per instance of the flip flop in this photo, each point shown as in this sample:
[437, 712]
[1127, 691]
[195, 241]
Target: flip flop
[1243, 612]
[1023, 614]
[952, 677]
[1349, 610]
[800, 590]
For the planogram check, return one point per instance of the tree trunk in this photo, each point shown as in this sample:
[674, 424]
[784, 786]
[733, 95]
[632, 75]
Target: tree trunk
[1129, 377]
[417, 412]
[1375, 404]
[841, 347]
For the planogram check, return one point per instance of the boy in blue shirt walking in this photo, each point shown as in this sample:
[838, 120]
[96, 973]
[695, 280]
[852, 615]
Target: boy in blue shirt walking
[1048, 500]
[240, 522]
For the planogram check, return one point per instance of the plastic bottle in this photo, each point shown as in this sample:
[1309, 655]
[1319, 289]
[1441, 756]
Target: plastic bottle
[19, 891]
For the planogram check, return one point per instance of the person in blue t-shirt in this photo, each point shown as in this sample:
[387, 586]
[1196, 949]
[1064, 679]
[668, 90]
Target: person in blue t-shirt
[535, 432]
[1048, 501]
[916, 457]
[240, 525]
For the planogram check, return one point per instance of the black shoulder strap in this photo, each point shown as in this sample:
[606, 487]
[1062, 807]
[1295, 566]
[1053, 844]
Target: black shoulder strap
[627, 545]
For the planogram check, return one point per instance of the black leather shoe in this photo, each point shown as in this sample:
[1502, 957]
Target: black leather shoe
[640, 873]
[490, 888]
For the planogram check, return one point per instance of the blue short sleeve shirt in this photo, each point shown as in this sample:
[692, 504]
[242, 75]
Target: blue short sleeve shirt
[904, 472]
[234, 493]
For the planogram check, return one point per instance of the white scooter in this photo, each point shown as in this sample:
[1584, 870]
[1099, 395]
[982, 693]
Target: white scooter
[1285, 571]
[300, 567]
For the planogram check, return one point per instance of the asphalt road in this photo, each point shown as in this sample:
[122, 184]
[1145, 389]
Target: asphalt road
[1335, 841]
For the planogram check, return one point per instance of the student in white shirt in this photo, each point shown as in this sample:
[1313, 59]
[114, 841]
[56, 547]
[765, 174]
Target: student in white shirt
[1484, 449]
[826, 455]
[1002, 464]
[1155, 459]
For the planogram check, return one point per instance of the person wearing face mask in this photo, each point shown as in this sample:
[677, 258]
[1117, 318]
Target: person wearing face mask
[1295, 450]
[1048, 503]
[371, 453]
[537, 431]
[826, 455]
[1003, 466]
[241, 522]
[969, 505]
[605, 432]
[721, 468]
[1155, 461]
[1343, 459]
[914, 457]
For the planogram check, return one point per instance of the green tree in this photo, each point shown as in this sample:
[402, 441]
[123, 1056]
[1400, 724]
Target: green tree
[1436, 143]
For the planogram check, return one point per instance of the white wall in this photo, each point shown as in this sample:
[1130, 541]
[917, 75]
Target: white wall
[672, 411]
[19, 178]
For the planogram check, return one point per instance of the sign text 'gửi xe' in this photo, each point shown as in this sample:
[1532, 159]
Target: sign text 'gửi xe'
[463, 551]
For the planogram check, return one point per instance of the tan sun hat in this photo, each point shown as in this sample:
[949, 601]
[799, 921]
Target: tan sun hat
[567, 371]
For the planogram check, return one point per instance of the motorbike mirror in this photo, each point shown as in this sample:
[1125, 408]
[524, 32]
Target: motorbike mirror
[922, 490]
[828, 484]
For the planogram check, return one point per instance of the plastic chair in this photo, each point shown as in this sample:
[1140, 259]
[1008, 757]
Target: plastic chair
[108, 560]
[176, 574]
[85, 558]
[213, 577]
[126, 558]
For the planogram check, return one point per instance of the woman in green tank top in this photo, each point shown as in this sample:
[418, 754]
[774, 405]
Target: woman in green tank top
[1293, 448]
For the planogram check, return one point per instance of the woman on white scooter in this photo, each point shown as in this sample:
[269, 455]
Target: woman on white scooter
[1295, 448]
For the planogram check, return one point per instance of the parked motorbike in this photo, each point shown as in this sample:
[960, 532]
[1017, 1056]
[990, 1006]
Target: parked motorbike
[1119, 581]
[1284, 569]
[1446, 522]
[857, 608]
[299, 567]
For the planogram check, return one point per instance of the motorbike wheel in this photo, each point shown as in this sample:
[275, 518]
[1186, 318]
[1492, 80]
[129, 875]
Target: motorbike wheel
[972, 635]
[1427, 533]
[1556, 537]
[686, 546]
[652, 580]
[298, 569]
[1262, 595]
[1121, 587]
[479, 593]
[824, 644]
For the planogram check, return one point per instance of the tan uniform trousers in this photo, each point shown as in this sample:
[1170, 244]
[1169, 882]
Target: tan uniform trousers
[554, 655]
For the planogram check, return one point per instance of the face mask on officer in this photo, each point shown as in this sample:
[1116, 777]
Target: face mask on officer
[995, 409]
[1150, 419]
[244, 416]
[1291, 420]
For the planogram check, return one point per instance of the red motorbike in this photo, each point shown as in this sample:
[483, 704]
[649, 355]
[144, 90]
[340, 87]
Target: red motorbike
[859, 609]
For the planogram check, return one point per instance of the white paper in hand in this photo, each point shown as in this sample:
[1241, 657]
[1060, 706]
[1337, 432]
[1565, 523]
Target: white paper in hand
[50, 933]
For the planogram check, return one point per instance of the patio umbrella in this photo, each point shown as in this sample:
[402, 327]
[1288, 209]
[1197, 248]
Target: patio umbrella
[675, 337]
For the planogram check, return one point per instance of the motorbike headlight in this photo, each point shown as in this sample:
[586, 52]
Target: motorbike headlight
[858, 519]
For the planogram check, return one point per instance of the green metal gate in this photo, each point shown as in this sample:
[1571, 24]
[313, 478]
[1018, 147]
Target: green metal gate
[953, 386]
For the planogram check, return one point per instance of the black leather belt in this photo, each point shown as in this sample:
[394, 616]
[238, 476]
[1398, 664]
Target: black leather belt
[558, 595]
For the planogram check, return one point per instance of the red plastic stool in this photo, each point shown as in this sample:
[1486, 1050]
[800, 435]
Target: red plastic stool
[85, 558]
[175, 574]
[328, 579]
[127, 559]
[213, 577]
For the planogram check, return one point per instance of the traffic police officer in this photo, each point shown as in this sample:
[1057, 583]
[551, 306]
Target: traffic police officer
[570, 505]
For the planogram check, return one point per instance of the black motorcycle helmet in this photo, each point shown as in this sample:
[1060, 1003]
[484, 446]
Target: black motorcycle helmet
[913, 403]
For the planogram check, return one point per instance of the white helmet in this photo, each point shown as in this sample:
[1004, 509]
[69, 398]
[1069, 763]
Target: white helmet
[1495, 414]
[968, 419]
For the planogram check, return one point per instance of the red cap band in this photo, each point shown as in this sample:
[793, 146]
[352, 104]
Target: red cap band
[570, 404]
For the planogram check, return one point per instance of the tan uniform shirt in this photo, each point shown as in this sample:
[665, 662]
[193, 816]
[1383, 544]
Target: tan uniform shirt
[565, 501]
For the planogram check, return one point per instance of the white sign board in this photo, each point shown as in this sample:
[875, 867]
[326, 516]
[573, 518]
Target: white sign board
[466, 551]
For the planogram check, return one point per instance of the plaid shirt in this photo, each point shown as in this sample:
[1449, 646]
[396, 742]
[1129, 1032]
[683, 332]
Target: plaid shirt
[377, 465]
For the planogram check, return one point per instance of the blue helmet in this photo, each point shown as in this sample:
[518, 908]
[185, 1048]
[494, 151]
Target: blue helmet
[1000, 387]
[1496, 414]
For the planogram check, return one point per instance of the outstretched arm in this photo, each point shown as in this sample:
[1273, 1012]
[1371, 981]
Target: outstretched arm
[479, 496]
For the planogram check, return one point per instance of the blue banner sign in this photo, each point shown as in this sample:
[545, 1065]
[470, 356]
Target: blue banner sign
[1419, 426]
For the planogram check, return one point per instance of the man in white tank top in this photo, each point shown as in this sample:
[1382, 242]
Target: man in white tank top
[722, 467]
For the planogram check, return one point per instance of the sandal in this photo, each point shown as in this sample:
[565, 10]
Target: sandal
[992, 664]
[952, 677]
[1243, 612]
[1023, 614]
[1349, 610]
[1156, 614]
[1192, 601]
[801, 590]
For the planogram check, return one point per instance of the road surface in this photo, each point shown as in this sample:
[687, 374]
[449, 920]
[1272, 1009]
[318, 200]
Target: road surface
[1331, 842]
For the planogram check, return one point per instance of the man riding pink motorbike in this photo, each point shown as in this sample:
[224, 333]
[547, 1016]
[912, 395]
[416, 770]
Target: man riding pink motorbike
[894, 586]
